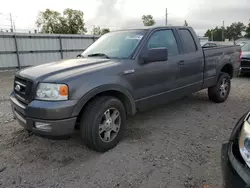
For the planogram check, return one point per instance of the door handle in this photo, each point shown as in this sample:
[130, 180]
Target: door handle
[181, 62]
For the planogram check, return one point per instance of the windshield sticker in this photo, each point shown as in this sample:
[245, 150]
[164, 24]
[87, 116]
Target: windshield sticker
[136, 37]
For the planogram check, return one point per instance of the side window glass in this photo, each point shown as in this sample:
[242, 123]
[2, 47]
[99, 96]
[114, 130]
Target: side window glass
[188, 41]
[164, 38]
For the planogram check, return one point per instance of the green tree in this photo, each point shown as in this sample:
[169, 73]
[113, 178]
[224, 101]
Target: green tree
[148, 20]
[98, 31]
[248, 31]
[214, 34]
[234, 31]
[208, 34]
[105, 30]
[49, 21]
[71, 22]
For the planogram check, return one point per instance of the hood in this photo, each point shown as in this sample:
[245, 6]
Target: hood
[65, 68]
[245, 55]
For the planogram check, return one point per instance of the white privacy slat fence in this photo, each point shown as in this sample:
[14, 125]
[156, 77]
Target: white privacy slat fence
[20, 50]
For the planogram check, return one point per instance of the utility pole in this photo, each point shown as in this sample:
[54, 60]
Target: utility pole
[11, 23]
[212, 33]
[166, 17]
[14, 27]
[222, 33]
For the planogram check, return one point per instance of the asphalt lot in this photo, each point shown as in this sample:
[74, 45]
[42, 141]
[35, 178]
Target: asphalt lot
[174, 146]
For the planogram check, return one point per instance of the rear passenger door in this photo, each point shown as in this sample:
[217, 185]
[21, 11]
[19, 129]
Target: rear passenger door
[192, 63]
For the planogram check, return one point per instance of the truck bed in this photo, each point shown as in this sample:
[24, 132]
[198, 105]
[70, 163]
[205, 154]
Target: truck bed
[217, 56]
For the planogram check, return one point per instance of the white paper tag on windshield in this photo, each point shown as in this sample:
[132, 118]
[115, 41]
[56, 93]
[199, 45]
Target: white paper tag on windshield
[136, 37]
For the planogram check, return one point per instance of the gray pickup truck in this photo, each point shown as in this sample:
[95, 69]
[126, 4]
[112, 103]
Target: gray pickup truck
[122, 73]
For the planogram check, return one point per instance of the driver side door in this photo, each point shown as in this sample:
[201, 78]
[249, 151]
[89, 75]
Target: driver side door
[156, 81]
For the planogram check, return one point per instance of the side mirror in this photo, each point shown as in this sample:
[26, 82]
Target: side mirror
[79, 56]
[153, 55]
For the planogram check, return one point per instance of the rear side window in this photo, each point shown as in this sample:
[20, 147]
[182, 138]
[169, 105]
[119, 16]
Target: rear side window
[164, 38]
[188, 41]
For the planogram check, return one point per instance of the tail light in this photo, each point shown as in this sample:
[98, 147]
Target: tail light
[240, 54]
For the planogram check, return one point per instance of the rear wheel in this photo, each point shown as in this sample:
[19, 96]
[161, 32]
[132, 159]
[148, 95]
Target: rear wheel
[102, 123]
[219, 93]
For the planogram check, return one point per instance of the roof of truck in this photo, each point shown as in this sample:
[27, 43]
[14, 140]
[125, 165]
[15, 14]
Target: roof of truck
[154, 27]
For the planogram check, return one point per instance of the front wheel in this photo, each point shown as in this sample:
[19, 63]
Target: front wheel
[102, 123]
[219, 93]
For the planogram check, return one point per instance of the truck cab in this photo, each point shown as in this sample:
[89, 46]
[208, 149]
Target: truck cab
[122, 73]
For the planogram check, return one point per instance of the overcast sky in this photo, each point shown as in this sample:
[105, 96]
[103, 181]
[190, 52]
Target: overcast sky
[116, 14]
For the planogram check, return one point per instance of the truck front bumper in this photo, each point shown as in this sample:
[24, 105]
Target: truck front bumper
[45, 118]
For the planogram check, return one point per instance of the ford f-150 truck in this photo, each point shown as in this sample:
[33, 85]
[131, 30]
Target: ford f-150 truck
[121, 73]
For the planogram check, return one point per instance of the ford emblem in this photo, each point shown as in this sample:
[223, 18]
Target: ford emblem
[18, 88]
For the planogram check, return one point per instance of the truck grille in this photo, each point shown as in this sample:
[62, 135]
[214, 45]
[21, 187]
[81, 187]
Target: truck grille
[22, 89]
[245, 62]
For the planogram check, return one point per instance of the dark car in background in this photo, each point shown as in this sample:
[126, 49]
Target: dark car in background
[245, 58]
[209, 45]
[242, 43]
[235, 156]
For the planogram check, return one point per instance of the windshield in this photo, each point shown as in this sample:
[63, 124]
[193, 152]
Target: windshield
[246, 47]
[115, 44]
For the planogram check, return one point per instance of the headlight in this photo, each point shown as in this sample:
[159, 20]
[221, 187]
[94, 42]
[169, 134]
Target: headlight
[52, 92]
[244, 141]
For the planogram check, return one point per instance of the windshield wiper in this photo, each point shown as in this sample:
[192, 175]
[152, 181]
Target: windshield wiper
[99, 54]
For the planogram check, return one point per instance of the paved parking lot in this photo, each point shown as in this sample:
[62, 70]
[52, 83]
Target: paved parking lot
[174, 146]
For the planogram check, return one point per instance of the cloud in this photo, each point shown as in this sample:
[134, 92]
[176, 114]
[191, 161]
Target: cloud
[116, 14]
[200, 14]
[202, 18]
[108, 13]
[217, 15]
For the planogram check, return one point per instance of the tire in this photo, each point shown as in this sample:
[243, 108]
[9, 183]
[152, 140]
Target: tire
[95, 124]
[215, 92]
[28, 131]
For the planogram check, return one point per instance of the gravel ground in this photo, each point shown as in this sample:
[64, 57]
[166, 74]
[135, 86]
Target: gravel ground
[177, 145]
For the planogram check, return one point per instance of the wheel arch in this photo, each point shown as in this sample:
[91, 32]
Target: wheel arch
[107, 90]
[227, 68]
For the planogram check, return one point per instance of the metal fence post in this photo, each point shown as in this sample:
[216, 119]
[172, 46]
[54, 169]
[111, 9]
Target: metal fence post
[61, 50]
[17, 52]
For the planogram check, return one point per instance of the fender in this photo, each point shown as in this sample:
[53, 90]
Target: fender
[226, 61]
[105, 88]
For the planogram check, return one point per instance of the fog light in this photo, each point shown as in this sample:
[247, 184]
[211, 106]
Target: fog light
[43, 126]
